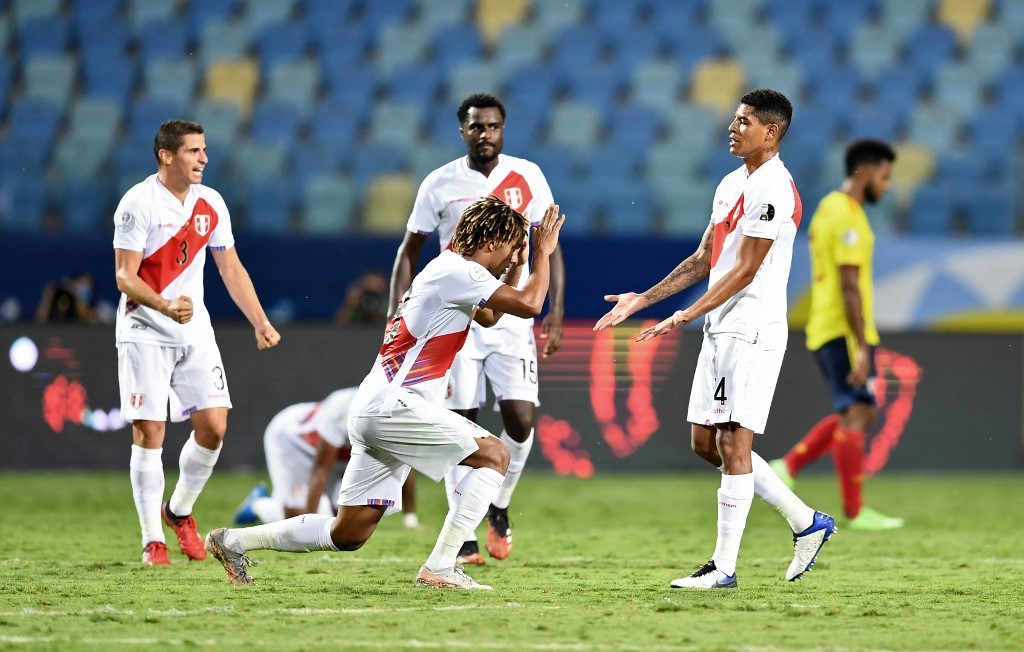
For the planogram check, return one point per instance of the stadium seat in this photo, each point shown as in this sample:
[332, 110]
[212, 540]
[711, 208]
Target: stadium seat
[898, 87]
[355, 88]
[612, 160]
[726, 16]
[336, 123]
[838, 20]
[957, 86]
[904, 16]
[394, 124]
[873, 120]
[695, 127]
[717, 83]
[134, 161]
[718, 162]
[165, 39]
[85, 205]
[145, 115]
[520, 45]
[387, 204]
[698, 45]
[575, 48]
[932, 213]
[108, 41]
[474, 77]
[608, 16]
[171, 80]
[400, 44]
[656, 84]
[991, 126]
[35, 122]
[270, 205]
[598, 85]
[49, 35]
[315, 159]
[234, 81]
[6, 75]
[254, 161]
[95, 118]
[1011, 15]
[26, 210]
[427, 157]
[260, 13]
[493, 16]
[574, 125]
[913, 166]
[963, 16]
[5, 31]
[815, 56]
[104, 81]
[294, 83]
[634, 127]
[281, 42]
[686, 207]
[438, 14]
[636, 46]
[933, 125]
[873, 46]
[836, 90]
[990, 211]
[455, 43]
[222, 121]
[629, 209]
[328, 205]
[552, 17]
[372, 161]
[1009, 89]
[538, 85]
[579, 205]
[141, 12]
[668, 163]
[221, 40]
[376, 15]
[930, 46]
[22, 157]
[94, 13]
[992, 50]
[49, 78]
[524, 126]
[416, 84]
[769, 43]
[327, 12]
[783, 75]
[201, 13]
[275, 122]
[24, 10]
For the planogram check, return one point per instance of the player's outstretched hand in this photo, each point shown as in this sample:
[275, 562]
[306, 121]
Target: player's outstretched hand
[678, 318]
[545, 236]
[625, 305]
[180, 309]
[551, 333]
[266, 336]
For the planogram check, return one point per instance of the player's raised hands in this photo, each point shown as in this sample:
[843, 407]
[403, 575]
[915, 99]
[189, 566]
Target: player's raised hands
[625, 305]
[545, 236]
[180, 309]
[678, 318]
[266, 336]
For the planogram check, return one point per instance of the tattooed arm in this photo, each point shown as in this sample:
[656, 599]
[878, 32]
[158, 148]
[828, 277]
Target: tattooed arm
[688, 272]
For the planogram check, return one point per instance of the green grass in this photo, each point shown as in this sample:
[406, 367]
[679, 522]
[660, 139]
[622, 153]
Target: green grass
[590, 570]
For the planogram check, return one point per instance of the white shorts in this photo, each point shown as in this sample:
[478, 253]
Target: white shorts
[734, 382]
[191, 377]
[289, 465]
[419, 435]
[509, 364]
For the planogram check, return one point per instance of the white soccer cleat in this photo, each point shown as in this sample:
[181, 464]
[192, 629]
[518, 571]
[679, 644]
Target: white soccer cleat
[808, 543]
[451, 578]
[707, 577]
[234, 563]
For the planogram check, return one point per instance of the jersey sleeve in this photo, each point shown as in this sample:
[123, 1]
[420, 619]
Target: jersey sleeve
[425, 216]
[766, 206]
[223, 237]
[469, 285]
[131, 223]
[542, 197]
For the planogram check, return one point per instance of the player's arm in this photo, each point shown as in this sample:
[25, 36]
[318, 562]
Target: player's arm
[751, 254]
[695, 268]
[488, 316]
[326, 457]
[126, 271]
[242, 292]
[849, 277]
[406, 262]
[551, 327]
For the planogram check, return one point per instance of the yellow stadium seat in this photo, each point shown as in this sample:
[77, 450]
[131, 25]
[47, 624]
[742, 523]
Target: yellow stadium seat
[719, 84]
[963, 16]
[388, 203]
[914, 165]
[493, 16]
[234, 81]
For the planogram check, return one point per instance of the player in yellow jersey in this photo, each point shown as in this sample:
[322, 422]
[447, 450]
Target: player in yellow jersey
[841, 329]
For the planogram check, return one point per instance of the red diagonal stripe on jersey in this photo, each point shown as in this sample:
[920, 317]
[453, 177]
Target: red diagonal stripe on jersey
[392, 352]
[436, 357]
[798, 205]
[514, 191]
[160, 268]
[724, 228]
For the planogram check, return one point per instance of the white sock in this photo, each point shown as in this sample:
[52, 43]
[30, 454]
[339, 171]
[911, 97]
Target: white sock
[774, 491]
[268, 510]
[472, 497]
[518, 452]
[147, 474]
[451, 481]
[196, 464]
[734, 499]
[304, 533]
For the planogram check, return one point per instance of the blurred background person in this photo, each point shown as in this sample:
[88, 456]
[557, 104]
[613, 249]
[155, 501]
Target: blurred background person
[366, 300]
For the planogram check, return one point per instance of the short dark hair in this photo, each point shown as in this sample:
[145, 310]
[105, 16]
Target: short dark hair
[770, 107]
[171, 135]
[868, 151]
[479, 101]
[486, 220]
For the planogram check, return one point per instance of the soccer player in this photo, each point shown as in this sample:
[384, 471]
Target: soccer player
[306, 445]
[166, 349]
[746, 253]
[397, 419]
[505, 355]
[841, 329]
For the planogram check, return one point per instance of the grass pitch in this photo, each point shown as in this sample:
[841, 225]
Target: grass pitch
[589, 571]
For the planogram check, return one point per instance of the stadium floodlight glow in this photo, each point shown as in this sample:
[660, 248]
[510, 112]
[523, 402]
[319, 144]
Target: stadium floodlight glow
[24, 354]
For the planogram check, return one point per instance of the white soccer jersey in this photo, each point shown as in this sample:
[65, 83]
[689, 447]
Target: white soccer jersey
[766, 205]
[426, 332]
[450, 189]
[173, 238]
[303, 425]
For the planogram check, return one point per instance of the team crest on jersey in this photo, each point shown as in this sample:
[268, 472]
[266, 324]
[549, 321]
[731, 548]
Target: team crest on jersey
[513, 197]
[137, 400]
[767, 212]
[126, 222]
[202, 224]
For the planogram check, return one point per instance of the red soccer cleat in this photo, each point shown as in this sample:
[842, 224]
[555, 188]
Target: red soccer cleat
[155, 554]
[189, 542]
[499, 532]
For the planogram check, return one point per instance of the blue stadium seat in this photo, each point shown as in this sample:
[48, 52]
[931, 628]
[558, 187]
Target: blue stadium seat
[146, 115]
[837, 89]
[417, 84]
[376, 15]
[166, 39]
[254, 161]
[316, 159]
[991, 126]
[614, 161]
[442, 124]
[328, 205]
[929, 47]
[49, 78]
[275, 122]
[270, 206]
[1009, 88]
[992, 50]
[457, 43]
[85, 205]
[224, 39]
[280, 42]
[222, 121]
[904, 16]
[261, 13]
[933, 125]
[394, 124]
[27, 208]
[611, 16]
[958, 87]
[781, 74]
[24, 10]
[44, 36]
[22, 157]
[91, 14]
[171, 80]
[554, 16]
[576, 48]
[990, 212]
[873, 120]
[104, 81]
[524, 126]
[520, 45]
[355, 87]
[6, 75]
[898, 87]
[398, 44]
[634, 127]
[873, 46]
[474, 77]
[696, 45]
[536, 84]
[134, 161]
[35, 122]
[840, 19]
[629, 209]
[429, 156]
[598, 85]
[815, 56]
[438, 14]
[95, 118]
[142, 12]
[795, 19]
[559, 168]
[336, 123]
[718, 163]
[107, 42]
[574, 125]
[931, 212]
[371, 161]
[656, 84]
[295, 83]
[686, 206]
[579, 205]
[327, 12]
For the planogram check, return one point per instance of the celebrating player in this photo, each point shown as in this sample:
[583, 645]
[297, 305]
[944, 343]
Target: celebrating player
[397, 419]
[506, 355]
[746, 252]
[165, 344]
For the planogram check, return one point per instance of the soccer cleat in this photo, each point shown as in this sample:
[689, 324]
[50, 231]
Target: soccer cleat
[233, 562]
[869, 519]
[469, 554]
[808, 543]
[782, 470]
[155, 554]
[188, 535]
[451, 578]
[707, 577]
[244, 514]
[499, 532]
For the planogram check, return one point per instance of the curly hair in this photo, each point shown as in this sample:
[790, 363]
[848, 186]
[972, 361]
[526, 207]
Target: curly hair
[486, 220]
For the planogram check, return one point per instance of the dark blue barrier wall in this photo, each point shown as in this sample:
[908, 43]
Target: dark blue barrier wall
[309, 275]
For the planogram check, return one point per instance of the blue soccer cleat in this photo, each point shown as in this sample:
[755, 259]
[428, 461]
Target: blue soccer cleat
[244, 514]
[808, 543]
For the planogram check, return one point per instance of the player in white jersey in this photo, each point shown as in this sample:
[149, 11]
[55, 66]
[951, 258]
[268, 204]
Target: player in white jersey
[505, 355]
[306, 446]
[166, 351]
[397, 419]
[745, 253]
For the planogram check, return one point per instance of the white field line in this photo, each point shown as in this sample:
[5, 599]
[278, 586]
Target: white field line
[111, 611]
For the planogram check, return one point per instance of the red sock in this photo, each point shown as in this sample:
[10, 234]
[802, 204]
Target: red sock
[848, 453]
[815, 443]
